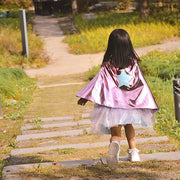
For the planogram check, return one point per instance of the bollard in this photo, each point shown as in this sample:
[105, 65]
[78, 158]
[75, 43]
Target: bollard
[176, 87]
[24, 32]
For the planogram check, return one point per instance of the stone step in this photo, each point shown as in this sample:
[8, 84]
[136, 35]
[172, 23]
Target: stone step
[52, 134]
[167, 156]
[52, 125]
[37, 134]
[51, 119]
[61, 118]
[15, 152]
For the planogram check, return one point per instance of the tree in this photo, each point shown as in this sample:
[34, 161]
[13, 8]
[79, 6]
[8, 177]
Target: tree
[74, 7]
[17, 3]
[144, 8]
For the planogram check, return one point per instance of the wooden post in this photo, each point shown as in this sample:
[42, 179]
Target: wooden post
[23, 24]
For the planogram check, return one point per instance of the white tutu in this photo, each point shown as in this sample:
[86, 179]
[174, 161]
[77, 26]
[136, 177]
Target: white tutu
[103, 118]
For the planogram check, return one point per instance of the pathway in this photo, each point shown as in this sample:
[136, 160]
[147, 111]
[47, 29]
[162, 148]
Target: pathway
[35, 143]
[61, 62]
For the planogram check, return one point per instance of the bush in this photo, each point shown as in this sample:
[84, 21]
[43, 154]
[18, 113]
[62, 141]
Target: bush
[162, 65]
[17, 3]
[165, 15]
[11, 46]
[92, 73]
[13, 82]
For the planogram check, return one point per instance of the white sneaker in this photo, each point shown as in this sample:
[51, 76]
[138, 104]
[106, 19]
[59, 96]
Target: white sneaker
[133, 155]
[113, 155]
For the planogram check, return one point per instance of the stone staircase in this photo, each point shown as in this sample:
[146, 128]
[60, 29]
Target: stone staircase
[41, 139]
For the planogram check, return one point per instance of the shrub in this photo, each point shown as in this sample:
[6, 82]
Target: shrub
[13, 82]
[161, 64]
[17, 3]
[11, 46]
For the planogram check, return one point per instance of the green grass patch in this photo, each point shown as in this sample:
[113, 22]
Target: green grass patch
[14, 83]
[94, 33]
[16, 93]
[161, 64]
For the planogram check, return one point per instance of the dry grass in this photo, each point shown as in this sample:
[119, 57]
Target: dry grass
[153, 170]
[53, 102]
[45, 80]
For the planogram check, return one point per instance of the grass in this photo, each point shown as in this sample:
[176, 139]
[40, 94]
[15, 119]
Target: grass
[143, 170]
[94, 33]
[16, 93]
[48, 104]
[11, 46]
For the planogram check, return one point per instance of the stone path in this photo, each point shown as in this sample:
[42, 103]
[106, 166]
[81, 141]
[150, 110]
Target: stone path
[61, 62]
[91, 162]
[10, 170]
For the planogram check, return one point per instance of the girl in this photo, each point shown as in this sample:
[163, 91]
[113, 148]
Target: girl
[121, 96]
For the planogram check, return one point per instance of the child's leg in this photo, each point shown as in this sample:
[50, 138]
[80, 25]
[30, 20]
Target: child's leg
[116, 134]
[133, 152]
[114, 148]
[130, 135]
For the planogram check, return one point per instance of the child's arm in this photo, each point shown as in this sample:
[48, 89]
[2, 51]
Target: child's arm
[82, 101]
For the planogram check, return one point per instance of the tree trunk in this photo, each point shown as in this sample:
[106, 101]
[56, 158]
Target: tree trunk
[144, 8]
[74, 7]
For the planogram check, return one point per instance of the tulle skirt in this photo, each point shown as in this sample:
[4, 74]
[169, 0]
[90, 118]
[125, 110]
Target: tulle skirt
[103, 118]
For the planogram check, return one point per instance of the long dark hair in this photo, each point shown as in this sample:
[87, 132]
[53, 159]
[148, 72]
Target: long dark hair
[120, 51]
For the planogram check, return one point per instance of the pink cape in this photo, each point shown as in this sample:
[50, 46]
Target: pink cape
[103, 89]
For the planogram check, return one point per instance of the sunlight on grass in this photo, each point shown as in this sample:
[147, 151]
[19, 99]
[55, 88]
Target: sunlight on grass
[95, 40]
[140, 170]
[11, 45]
[57, 101]
[94, 33]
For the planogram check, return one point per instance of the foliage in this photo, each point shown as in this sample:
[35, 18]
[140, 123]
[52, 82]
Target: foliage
[92, 73]
[95, 33]
[17, 3]
[163, 64]
[163, 14]
[9, 79]
[11, 46]
[16, 92]
[82, 5]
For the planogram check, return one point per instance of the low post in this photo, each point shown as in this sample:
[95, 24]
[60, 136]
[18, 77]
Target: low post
[176, 87]
[23, 24]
